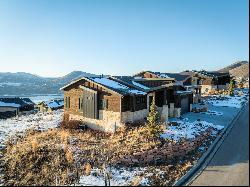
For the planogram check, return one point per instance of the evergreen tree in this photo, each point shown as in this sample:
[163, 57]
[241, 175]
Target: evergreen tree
[154, 128]
[231, 88]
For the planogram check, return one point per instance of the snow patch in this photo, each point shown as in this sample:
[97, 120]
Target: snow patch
[140, 85]
[10, 84]
[137, 92]
[109, 83]
[214, 113]
[188, 130]
[18, 125]
[119, 177]
[164, 75]
[227, 101]
[115, 85]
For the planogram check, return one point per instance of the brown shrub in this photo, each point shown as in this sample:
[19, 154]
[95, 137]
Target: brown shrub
[87, 169]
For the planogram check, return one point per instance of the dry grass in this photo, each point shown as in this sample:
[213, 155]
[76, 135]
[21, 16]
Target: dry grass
[129, 142]
[47, 158]
[60, 156]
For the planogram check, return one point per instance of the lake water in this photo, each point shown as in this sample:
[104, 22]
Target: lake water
[37, 99]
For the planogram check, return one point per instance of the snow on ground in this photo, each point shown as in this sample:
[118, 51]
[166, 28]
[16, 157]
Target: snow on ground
[228, 101]
[10, 84]
[212, 112]
[184, 129]
[119, 177]
[18, 125]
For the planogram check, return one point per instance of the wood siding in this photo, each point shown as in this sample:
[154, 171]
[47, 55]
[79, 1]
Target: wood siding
[75, 92]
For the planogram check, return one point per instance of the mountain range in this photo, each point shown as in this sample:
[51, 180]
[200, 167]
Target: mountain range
[22, 83]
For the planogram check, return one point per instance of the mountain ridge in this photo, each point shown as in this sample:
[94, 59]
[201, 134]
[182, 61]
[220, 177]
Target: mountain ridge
[21, 83]
[232, 66]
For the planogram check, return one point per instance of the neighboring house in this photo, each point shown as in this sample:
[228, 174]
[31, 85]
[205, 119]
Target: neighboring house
[10, 107]
[8, 110]
[213, 80]
[209, 80]
[49, 106]
[180, 79]
[166, 92]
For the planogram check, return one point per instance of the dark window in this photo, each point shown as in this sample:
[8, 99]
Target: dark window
[80, 103]
[66, 104]
[104, 104]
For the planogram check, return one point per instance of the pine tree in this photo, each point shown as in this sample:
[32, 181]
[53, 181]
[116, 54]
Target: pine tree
[154, 128]
[231, 88]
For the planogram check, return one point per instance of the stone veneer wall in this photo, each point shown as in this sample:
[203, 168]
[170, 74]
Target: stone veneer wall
[207, 88]
[164, 113]
[167, 152]
[134, 116]
[174, 112]
[196, 98]
[108, 121]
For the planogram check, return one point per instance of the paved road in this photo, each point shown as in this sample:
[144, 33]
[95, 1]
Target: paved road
[230, 165]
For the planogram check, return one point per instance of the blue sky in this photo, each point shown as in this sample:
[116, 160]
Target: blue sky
[54, 37]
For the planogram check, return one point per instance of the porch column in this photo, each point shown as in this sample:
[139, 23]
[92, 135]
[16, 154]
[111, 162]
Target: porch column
[165, 97]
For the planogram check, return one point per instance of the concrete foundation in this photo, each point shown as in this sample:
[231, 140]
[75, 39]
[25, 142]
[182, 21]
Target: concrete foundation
[109, 121]
[134, 116]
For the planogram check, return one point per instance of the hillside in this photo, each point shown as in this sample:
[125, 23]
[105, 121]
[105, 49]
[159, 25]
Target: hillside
[241, 71]
[232, 66]
[27, 84]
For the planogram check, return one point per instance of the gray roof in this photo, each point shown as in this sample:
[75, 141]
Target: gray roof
[22, 102]
[112, 85]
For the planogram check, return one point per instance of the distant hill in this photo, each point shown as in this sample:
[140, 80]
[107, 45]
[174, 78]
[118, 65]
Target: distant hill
[26, 84]
[241, 71]
[232, 66]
